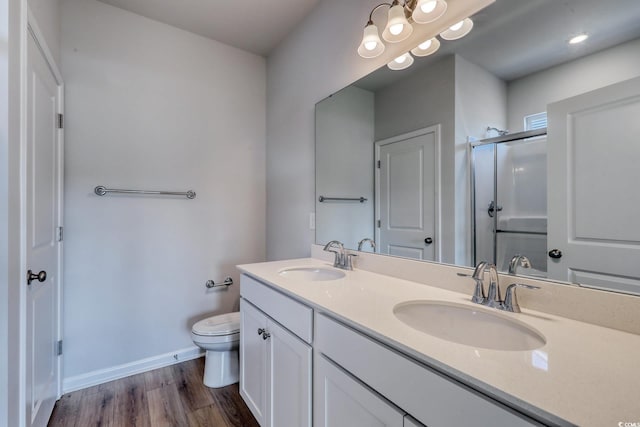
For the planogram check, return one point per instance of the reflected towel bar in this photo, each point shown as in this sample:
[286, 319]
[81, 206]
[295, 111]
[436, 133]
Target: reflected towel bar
[345, 199]
[101, 190]
[228, 281]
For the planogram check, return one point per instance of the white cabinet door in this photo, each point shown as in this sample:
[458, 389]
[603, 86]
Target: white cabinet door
[340, 400]
[275, 371]
[290, 374]
[593, 156]
[253, 361]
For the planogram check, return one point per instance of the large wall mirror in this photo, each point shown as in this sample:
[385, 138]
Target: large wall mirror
[511, 145]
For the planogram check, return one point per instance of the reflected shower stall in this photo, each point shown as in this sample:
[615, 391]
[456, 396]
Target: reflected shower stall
[509, 200]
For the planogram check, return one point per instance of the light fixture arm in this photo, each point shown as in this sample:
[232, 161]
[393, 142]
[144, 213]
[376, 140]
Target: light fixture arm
[374, 9]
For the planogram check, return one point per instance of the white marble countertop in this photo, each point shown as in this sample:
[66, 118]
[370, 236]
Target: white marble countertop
[585, 374]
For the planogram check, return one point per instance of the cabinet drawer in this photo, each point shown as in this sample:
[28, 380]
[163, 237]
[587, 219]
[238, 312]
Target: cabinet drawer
[296, 317]
[431, 398]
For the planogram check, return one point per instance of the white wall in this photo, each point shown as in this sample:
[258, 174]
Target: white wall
[480, 101]
[47, 15]
[531, 94]
[150, 106]
[344, 149]
[315, 60]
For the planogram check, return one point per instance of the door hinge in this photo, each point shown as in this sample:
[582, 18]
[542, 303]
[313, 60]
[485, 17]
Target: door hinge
[379, 223]
[60, 121]
[60, 236]
[379, 164]
[59, 348]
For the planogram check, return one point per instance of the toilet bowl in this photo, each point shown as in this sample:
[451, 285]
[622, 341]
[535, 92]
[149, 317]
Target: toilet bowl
[219, 336]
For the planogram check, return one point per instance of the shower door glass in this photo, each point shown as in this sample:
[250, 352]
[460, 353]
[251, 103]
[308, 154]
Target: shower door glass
[510, 193]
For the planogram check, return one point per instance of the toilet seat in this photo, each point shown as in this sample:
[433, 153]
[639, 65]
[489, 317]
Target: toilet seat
[216, 326]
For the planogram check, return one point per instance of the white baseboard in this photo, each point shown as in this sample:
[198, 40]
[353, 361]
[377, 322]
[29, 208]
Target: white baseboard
[100, 376]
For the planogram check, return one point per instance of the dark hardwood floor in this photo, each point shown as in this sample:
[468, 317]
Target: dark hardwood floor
[172, 396]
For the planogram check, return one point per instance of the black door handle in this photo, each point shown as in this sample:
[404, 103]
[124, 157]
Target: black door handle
[555, 253]
[40, 277]
[428, 240]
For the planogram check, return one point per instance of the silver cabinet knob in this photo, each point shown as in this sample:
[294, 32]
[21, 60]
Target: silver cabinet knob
[266, 335]
[260, 331]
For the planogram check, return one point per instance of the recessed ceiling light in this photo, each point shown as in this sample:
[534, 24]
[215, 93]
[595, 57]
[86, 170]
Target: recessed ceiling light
[578, 39]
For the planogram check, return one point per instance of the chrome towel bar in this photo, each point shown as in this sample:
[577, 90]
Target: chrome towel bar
[345, 199]
[228, 281]
[101, 190]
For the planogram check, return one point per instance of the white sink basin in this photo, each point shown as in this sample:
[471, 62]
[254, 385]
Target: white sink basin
[313, 274]
[462, 324]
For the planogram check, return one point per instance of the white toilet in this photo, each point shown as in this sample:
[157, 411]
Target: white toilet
[219, 336]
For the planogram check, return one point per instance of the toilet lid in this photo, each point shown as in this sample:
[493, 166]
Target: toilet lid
[223, 324]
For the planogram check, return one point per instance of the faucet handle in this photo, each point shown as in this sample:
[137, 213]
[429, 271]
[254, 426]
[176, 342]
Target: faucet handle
[510, 299]
[478, 293]
[348, 262]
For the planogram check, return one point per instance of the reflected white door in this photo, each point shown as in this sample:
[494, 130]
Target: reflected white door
[407, 195]
[593, 224]
[42, 220]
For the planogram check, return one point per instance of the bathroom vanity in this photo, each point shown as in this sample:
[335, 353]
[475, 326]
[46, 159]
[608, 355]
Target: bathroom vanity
[326, 347]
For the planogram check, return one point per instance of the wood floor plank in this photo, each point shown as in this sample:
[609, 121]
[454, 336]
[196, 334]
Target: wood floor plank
[131, 408]
[165, 407]
[173, 396]
[100, 388]
[66, 411]
[233, 408]
[193, 392]
[97, 409]
[209, 416]
[158, 378]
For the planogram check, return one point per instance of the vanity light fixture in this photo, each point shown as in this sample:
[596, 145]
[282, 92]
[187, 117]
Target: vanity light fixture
[426, 48]
[427, 11]
[401, 62]
[578, 39]
[399, 28]
[458, 31]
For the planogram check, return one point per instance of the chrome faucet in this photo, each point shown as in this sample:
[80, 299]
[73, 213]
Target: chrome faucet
[494, 300]
[342, 259]
[518, 261]
[363, 241]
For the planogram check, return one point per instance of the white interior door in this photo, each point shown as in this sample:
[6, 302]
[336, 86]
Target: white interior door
[42, 246]
[593, 179]
[407, 188]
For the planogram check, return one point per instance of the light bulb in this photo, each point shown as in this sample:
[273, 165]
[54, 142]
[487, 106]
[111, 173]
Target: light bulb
[426, 45]
[429, 6]
[370, 45]
[456, 27]
[396, 29]
[401, 62]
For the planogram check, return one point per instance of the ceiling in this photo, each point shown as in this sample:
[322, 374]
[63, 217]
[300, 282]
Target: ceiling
[253, 25]
[514, 38]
